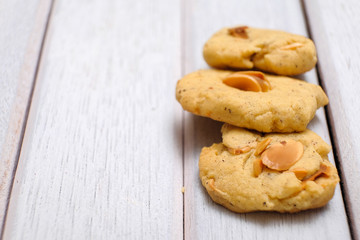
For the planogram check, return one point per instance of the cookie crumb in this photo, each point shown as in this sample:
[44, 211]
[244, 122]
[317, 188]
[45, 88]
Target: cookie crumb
[183, 189]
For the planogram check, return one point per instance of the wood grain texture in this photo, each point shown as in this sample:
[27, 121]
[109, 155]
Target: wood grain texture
[102, 152]
[203, 218]
[336, 31]
[22, 31]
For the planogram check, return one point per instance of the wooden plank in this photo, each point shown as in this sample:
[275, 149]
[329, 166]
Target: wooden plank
[22, 31]
[336, 31]
[102, 151]
[203, 218]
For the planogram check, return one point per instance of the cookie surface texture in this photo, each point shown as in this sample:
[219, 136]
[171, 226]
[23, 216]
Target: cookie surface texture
[231, 179]
[268, 50]
[287, 107]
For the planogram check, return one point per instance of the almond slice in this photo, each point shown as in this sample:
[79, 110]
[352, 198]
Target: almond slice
[248, 81]
[237, 151]
[300, 173]
[324, 169]
[292, 46]
[211, 183]
[281, 156]
[257, 166]
[261, 146]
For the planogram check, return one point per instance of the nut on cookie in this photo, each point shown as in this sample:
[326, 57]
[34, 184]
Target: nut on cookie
[281, 172]
[268, 50]
[251, 99]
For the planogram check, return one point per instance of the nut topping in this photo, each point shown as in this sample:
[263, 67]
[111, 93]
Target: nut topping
[324, 169]
[300, 173]
[291, 46]
[257, 166]
[211, 183]
[262, 146]
[248, 81]
[237, 151]
[239, 32]
[281, 156]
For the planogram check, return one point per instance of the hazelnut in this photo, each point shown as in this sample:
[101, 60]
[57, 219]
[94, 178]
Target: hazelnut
[281, 156]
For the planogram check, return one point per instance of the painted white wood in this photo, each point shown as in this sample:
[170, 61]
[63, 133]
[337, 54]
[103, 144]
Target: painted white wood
[102, 151]
[336, 31]
[203, 218]
[93, 167]
[22, 29]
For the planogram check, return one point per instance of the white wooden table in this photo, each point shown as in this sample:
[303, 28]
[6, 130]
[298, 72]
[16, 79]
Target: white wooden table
[93, 144]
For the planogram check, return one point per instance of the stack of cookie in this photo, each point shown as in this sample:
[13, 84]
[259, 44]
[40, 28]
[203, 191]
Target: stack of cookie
[268, 160]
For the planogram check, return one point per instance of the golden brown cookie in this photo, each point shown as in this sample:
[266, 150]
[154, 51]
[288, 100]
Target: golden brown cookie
[242, 173]
[268, 50]
[287, 105]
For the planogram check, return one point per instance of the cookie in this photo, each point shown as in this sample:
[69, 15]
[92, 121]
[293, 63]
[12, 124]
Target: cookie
[268, 50]
[272, 172]
[288, 105]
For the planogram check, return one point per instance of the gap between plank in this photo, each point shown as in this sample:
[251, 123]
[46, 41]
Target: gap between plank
[26, 115]
[182, 71]
[331, 129]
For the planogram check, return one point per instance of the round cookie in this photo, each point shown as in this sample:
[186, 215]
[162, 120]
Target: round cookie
[287, 107]
[268, 50]
[233, 179]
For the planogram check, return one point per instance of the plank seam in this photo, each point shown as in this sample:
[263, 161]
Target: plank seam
[182, 52]
[26, 116]
[331, 127]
